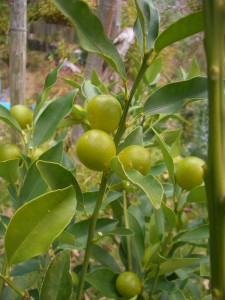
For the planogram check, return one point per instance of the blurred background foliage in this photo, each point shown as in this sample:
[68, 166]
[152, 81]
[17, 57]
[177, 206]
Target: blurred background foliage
[56, 47]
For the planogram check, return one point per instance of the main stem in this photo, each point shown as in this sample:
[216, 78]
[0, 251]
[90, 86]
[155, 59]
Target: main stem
[214, 15]
[126, 222]
[94, 217]
[91, 233]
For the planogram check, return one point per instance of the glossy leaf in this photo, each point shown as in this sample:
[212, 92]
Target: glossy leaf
[103, 279]
[91, 33]
[138, 240]
[197, 195]
[172, 264]
[28, 266]
[6, 117]
[104, 258]
[9, 170]
[49, 82]
[181, 29]
[21, 282]
[49, 119]
[169, 98]
[80, 230]
[120, 231]
[166, 155]
[89, 90]
[26, 233]
[34, 185]
[95, 80]
[148, 184]
[196, 233]
[65, 241]
[135, 137]
[147, 25]
[169, 216]
[153, 71]
[58, 177]
[57, 283]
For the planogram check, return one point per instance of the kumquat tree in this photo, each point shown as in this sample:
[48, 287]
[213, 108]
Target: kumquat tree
[121, 211]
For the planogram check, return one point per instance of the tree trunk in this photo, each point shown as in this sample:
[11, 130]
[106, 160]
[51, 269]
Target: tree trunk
[107, 11]
[17, 51]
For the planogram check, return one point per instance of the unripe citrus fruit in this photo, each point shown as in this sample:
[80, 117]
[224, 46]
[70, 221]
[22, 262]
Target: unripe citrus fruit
[9, 151]
[104, 113]
[136, 157]
[128, 284]
[189, 172]
[95, 148]
[22, 114]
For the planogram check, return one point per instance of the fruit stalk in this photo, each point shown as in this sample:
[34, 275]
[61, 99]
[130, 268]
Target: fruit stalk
[122, 125]
[11, 284]
[91, 233]
[214, 17]
[126, 221]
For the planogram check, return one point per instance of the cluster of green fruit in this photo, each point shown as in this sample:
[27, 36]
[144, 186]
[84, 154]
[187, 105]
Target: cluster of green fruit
[24, 117]
[95, 147]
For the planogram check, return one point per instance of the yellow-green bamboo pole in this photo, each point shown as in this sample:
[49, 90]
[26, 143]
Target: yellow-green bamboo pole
[214, 16]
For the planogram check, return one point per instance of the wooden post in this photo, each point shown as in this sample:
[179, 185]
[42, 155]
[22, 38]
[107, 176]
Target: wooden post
[17, 51]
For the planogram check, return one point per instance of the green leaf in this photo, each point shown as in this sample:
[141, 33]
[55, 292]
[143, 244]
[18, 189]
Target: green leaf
[194, 69]
[148, 184]
[153, 70]
[6, 117]
[34, 185]
[138, 240]
[65, 240]
[91, 33]
[196, 233]
[181, 29]
[80, 230]
[104, 258]
[9, 170]
[104, 280]
[57, 283]
[197, 195]
[89, 90]
[135, 137]
[58, 177]
[120, 231]
[147, 25]
[24, 282]
[49, 82]
[177, 295]
[49, 119]
[166, 155]
[172, 264]
[169, 98]
[96, 81]
[26, 233]
[25, 267]
[169, 216]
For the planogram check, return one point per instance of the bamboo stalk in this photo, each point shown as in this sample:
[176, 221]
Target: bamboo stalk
[214, 17]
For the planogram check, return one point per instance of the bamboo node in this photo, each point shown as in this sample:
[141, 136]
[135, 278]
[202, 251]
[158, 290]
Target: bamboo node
[214, 72]
[216, 294]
